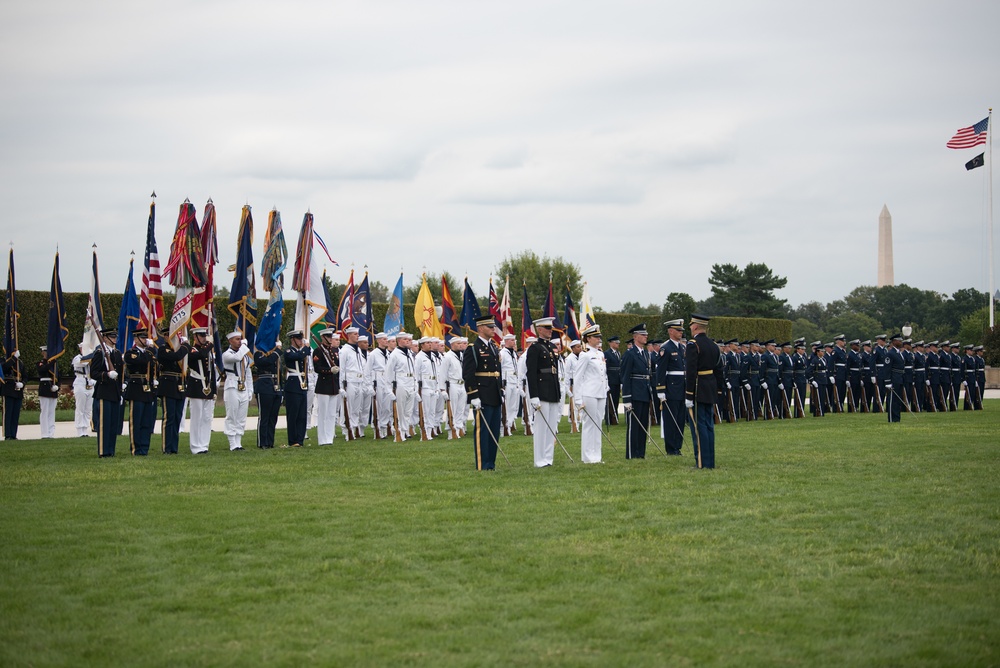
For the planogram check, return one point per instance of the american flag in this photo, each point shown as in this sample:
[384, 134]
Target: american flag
[974, 135]
[151, 297]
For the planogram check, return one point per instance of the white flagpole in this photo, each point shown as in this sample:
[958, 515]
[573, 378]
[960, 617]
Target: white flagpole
[989, 126]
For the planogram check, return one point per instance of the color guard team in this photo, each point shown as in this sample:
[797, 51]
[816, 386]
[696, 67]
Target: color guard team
[406, 388]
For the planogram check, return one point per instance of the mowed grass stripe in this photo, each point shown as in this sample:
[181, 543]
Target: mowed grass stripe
[832, 541]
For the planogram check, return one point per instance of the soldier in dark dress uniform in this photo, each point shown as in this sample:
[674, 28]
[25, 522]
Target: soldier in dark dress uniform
[919, 377]
[544, 391]
[867, 386]
[704, 378]
[171, 389]
[969, 382]
[879, 371]
[895, 365]
[296, 386]
[771, 369]
[819, 377]
[754, 378]
[980, 375]
[200, 390]
[139, 392]
[787, 369]
[636, 393]
[933, 366]
[13, 393]
[106, 368]
[733, 387]
[746, 393]
[481, 374]
[906, 392]
[613, 362]
[267, 387]
[670, 387]
[837, 365]
[48, 394]
[957, 374]
[800, 372]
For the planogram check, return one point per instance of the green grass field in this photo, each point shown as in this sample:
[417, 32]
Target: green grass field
[834, 541]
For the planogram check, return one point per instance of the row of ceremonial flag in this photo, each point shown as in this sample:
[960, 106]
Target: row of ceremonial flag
[191, 270]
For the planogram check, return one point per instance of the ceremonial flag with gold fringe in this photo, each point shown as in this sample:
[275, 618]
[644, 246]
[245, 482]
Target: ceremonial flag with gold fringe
[151, 293]
[185, 269]
[55, 341]
[361, 310]
[243, 296]
[470, 308]
[424, 312]
[307, 280]
[94, 322]
[393, 323]
[569, 317]
[129, 314]
[587, 318]
[449, 322]
[272, 271]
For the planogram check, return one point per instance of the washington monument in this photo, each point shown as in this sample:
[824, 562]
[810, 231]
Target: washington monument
[884, 248]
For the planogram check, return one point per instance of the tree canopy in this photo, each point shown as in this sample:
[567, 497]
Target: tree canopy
[536, 272]
[747, 292]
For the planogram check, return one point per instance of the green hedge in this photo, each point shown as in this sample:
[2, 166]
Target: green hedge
[34, 305]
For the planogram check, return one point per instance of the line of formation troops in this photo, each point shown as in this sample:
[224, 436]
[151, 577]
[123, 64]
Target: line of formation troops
[407, 388]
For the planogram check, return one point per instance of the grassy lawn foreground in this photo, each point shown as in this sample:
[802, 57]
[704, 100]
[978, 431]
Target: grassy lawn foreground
[834, 541]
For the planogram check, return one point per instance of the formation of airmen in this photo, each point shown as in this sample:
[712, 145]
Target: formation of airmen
[408, 388]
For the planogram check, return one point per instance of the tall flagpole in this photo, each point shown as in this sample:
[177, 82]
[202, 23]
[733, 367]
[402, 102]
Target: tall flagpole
[993, 286]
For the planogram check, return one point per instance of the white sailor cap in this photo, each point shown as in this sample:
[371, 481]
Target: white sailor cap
[574, 343]
[351, 330]
[509, 337]
[233, 335]
[403, 335]
[380, 335]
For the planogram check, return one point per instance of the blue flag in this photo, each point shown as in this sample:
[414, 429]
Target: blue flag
[128, 316]
[470, 308]
[243, 296]
[10, 314]
[270, 325]
[55, 342]
[361, 311]
[394, 315]
[272, 267]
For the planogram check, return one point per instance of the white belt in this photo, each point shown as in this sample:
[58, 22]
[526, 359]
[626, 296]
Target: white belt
[676, 373]
[839, 364]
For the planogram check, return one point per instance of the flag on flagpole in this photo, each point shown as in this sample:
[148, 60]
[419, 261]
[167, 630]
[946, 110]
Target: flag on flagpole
[345, 309]
[328, 321]
[55, 341]
[495, 312]
[527, 326]
[424, 312]
[10, 314]
[311, 303]
[151, 295]
[587, 318]
[394, 314]
[449, 322]
[569, 317]
[203, 299]
[549, 311]
[507, 324]
[361, 310]
[974, 135]
[243, 296]
[470, 308]
[272, 268]
[978, 161]
[130, 315]
[94, 322]
[185, 269]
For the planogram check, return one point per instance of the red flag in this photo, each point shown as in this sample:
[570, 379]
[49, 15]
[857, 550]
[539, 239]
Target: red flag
[495, 312]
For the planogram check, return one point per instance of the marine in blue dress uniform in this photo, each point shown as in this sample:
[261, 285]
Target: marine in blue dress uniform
[268, 389]
[171, 389]
[670, 387]
[636, 393]
[481, 374]
[296, 387]
[12, 388]
[704, 378]
[140, 392]
[106, 370]
[896, 366]
[613, 363]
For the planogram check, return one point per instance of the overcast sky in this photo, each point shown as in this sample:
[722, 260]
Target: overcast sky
[643, 141]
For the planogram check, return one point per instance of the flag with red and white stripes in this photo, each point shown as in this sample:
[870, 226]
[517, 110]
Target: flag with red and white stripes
[151, 294]
[974, 135]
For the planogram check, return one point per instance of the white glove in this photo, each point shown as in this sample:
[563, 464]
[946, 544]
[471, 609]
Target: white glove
[729, 385]
[763, 386]
[781, 386]
[477, 404]
[156, 383]
[182, 340]
[536, 403]
[17, 354]
[888, 386]
[746, 386]
[579, 404]
[113, 375]
[873, 380]
[627, 406]
[928, 383]
[688, 403]
[420, 399]
[569, 393]
[965, 383]
[18, 385]
[90, 383]
[815, 384]
[832, 381]
[661, 396]
[245, 343]
[444, 392]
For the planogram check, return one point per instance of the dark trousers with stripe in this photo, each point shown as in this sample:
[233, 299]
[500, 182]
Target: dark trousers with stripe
[107, 422]
[484, 436]
[11, 415]
[673, 425]
[268, 406]
[141, 419]
[638, 421]
[173, 408]
[703, 435]
[295, 414]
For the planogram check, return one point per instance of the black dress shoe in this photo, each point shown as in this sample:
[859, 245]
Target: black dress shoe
[238, 449]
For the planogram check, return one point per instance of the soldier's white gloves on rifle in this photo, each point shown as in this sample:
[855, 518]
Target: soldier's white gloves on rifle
[477, 404]
[113, 375]
[536, 402]
[688, 403]
[661, 396]
[815, 384]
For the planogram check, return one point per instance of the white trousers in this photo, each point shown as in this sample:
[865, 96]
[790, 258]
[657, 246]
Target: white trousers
[355, 407]
[182, 426]
[327, 412]
[237, 404]
[590, 431]
[406, 404]
[545, 440]
[84, 398]
[512, 397]
[311, 410]
[383, 401]
[459, 407]
[47, 419]
[202, 412]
